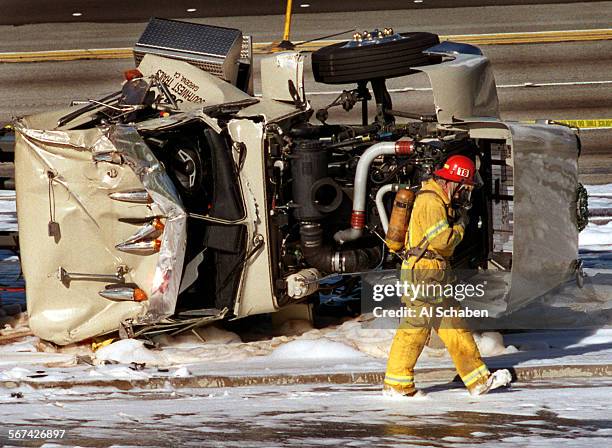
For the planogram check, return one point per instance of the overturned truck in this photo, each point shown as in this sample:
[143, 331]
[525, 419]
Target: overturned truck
[182, 198]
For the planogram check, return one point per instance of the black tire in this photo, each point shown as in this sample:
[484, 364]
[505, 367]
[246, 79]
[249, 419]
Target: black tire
[337, 64]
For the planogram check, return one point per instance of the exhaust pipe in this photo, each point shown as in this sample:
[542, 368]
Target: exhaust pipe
[358, 218]
[326, 259]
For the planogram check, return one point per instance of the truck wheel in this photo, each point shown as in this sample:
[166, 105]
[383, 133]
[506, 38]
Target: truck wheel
[339, 63]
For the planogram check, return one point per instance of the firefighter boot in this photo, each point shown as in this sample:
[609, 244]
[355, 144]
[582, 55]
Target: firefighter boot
[392, 392]
[499, 378]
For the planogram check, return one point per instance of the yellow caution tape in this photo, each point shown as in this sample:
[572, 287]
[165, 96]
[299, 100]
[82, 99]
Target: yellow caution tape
[533, 37]
[591, 124]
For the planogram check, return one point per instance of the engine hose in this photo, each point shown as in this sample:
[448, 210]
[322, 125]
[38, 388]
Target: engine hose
[326, 259]
[401, 148]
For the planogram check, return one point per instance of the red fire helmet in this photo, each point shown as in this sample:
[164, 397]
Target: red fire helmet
[458, 169]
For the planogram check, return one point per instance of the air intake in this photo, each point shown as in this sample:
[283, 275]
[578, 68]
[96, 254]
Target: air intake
[214, 49]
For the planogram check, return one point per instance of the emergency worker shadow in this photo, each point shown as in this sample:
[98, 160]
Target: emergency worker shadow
[569, 321]
[457, 384]
[512, 360]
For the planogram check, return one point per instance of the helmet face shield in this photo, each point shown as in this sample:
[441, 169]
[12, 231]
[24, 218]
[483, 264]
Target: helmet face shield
[462, 197]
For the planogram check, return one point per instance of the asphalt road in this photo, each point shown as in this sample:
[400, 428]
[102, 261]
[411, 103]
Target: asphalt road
[534, 413]
[19, 12]
[574, 78]
[265, 28]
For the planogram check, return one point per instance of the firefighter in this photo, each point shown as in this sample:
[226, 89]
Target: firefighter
[435, 229]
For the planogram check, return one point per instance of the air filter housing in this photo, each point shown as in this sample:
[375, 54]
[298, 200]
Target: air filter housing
[214, 49]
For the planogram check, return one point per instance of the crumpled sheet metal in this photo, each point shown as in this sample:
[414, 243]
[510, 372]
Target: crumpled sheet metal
[172, 121]
[89, 229]
[545, 248]
[545, 235]
[167, 278]
[191, 86]
[256, 294]
[463, 87]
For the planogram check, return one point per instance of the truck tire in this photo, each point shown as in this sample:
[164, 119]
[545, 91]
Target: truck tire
[339, 64]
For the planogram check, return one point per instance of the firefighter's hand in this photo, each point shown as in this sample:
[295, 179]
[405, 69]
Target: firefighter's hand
[463, 217]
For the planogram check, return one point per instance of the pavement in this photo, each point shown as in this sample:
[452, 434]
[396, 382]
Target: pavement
[528, 414]
[560, 395]
[162, 378]
[19, 12]
[12, 292]
[498, 17]
[568, 80]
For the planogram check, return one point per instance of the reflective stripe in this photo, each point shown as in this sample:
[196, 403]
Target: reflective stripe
[399, 377]
[399, 383]
[475, 375]
[399, 380]
[436, 229]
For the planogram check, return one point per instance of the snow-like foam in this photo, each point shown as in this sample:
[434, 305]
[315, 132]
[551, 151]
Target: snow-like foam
[596, 235]
[315, 349]
[599, 189]
[601, 336]
[127, 351]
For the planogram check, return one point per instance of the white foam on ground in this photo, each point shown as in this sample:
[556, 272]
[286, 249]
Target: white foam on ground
[8, 211]
[315, 349]
[600, 336]
[8, 195]
[127, 351]
[599, 189]
[349, 341]
[490, 343]
[119, 372]
[16, 373]
[595, 203]
[596, 236]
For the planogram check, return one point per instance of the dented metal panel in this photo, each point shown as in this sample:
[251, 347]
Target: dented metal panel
[191, 86]
[68, 222]
[464, 86]
[544, 160]
[256, 294]
[545, 168]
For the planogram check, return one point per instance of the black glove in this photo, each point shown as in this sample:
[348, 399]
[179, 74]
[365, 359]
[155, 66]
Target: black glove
[463, 217]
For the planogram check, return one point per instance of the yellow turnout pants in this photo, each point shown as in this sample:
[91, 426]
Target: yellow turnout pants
[411, 337]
